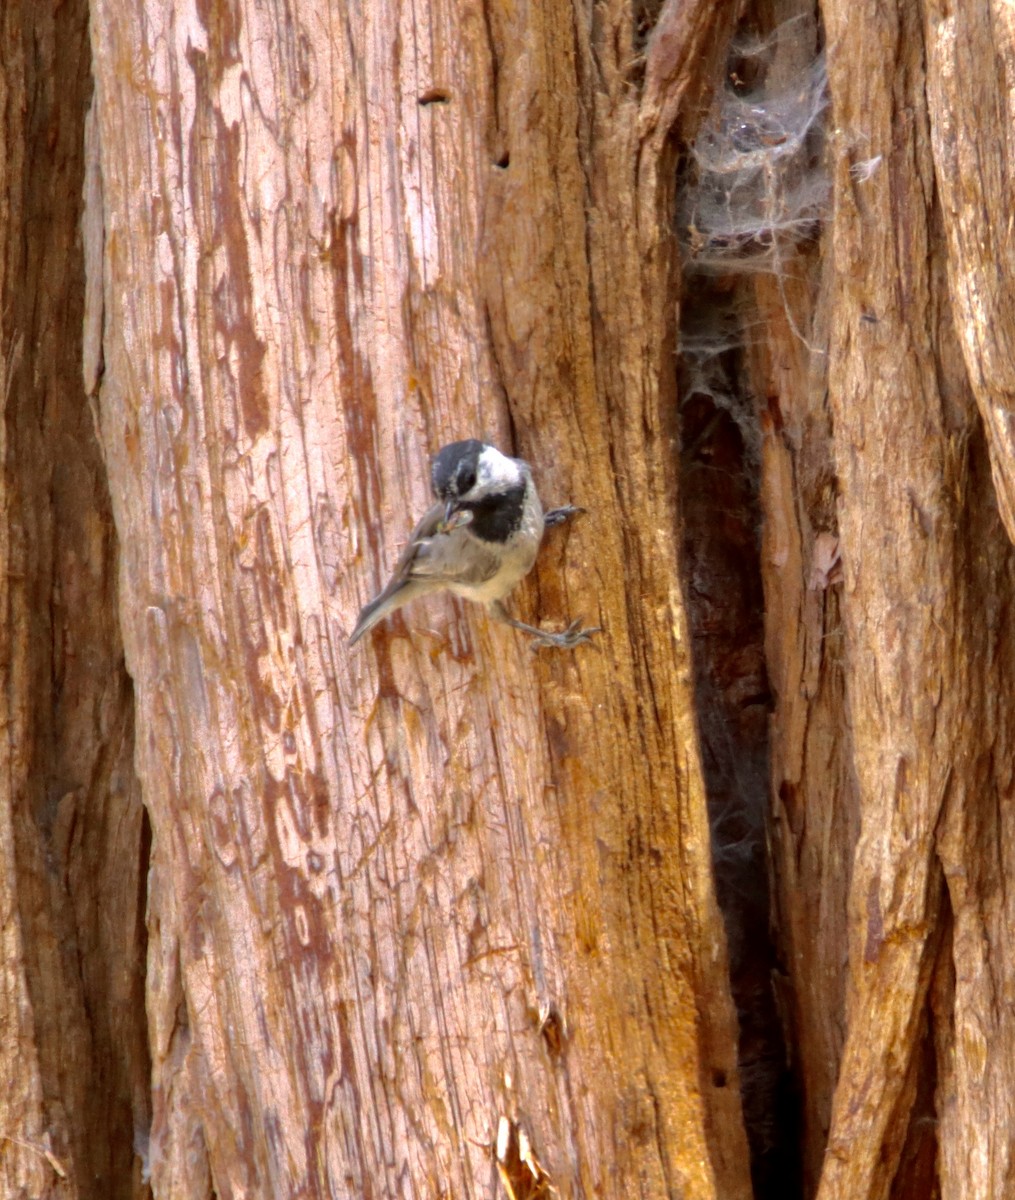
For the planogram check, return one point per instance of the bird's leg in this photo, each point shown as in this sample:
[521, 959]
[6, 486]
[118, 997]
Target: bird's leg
[566, 639]
[557, 516]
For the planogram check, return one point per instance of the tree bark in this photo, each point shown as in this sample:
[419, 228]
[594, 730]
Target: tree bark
[901, 1098]
[400, 894]
[73, 834]
[715, 907]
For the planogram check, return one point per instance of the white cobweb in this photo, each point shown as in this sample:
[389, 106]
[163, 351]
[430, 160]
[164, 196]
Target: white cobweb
[755, 185]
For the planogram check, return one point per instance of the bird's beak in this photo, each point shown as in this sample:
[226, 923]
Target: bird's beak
[454, 517]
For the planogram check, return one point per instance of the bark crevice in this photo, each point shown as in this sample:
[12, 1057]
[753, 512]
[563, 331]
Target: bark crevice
[752, 197]
[722, 581]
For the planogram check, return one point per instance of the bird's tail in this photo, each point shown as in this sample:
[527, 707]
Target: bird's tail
[393, 597]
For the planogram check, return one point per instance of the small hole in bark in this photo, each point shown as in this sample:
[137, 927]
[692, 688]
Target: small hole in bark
[551, 1029]
[504, 161]
[718, 1078]
[434, 96]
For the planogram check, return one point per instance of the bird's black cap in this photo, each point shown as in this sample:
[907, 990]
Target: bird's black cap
[454, 468]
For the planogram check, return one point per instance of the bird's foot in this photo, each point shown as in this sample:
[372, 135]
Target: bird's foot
[566, 639]
[557, 516]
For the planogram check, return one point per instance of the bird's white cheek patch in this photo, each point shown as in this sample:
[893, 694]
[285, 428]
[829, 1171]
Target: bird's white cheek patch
[496, 470]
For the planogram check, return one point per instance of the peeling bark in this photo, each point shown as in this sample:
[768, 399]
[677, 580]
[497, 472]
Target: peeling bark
[970, 53]
[716, 907]
[380, 876]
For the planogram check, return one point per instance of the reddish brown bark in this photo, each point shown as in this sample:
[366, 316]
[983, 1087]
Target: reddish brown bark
[381, 876]
[435, 915]
[72, 1052]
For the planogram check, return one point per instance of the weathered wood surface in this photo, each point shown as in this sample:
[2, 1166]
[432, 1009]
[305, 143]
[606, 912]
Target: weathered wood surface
[73, 1058]
[905, 1067]
[404, 898]
[402, 892]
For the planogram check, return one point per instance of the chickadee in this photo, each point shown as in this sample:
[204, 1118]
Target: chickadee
[478, 541]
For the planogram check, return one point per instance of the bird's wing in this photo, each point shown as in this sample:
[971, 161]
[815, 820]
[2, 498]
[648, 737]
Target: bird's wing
[418, 541]
[402, 586]
[447, 558]
[442, 558]
[433, 559]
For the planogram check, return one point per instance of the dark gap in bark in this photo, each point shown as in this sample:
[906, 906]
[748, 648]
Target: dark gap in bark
[140, 1057]
[719, 472]
[80, 830]
[752, 192]
[916, 1177]
[645, 14]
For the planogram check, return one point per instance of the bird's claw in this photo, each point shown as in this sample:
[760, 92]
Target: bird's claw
[557, 516]
[566, 639]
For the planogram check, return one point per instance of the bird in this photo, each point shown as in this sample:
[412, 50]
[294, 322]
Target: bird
[478, 540]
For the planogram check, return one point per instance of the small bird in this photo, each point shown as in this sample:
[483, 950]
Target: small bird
[478, 541]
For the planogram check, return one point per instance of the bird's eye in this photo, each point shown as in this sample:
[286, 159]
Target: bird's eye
[465, 479]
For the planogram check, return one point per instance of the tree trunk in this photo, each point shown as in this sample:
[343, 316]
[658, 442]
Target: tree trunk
[73, 834]
[714, 907]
